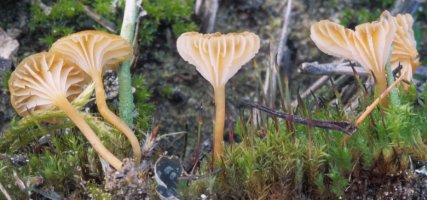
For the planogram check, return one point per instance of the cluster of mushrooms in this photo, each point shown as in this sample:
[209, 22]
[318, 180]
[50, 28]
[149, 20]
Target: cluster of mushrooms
[218, 57]
[50, 80]
[370, 45]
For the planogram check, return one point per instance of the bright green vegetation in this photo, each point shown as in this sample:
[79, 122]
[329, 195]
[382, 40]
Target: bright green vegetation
[57, 152]
[61, 20]
[5, 78]
[162, 15]
[314, 164]
[67, 16]
[272, 161]
[143, 107]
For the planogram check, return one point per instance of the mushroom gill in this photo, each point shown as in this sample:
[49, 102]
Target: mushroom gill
[45, 81]
[404, 44]
[369, 44]
[218, 57]
[94, 52]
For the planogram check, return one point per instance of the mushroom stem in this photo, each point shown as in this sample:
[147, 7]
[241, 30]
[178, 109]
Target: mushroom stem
[93, 139]
[219, 122]
[380, 86]
[114, 120]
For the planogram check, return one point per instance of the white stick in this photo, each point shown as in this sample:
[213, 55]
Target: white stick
[284, 34]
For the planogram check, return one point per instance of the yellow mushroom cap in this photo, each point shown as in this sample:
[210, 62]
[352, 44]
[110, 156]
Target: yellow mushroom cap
[93, 51]
[369, 44]
[373, 43]
[404, 44]
[218, 56]
[333, 39]
[40, 78]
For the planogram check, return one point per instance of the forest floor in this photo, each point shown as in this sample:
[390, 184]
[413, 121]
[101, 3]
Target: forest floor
[182, 97]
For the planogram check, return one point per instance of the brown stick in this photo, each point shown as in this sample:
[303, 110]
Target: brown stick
[342, 126]
[100, 20]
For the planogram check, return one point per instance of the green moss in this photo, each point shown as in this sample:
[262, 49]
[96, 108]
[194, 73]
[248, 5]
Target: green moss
[104, 8]
[142, 105]
[66, 17]
[164, 14]
[5, 78]
[65, 158]
[57, 32]
[320, 167]
[166, 91]
[96, 192]
[64, 9]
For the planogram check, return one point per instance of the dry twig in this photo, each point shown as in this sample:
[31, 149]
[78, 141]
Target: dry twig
[314, 68]
[315, 86]
[209, 15]
[110, 26]
[342, 126]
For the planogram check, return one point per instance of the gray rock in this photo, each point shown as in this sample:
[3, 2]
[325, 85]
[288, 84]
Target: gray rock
[8, 48]
[8, 45]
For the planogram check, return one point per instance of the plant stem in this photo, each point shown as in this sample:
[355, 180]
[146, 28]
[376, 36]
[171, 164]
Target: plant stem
[115, 120]
[219, 122]
[126, 105]
[93, 139]
[380, 86]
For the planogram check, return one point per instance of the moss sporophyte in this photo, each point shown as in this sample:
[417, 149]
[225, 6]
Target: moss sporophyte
[218, 57]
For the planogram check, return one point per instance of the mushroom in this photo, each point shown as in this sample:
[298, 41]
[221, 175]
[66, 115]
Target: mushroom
[218, 57]
[45, 81]
[404, 44]
[369, 44]
[95, 52]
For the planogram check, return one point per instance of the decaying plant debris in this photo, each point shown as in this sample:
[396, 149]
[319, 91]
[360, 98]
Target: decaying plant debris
[297, 124]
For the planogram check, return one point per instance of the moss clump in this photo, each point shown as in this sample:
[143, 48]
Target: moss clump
[5, 78]
[163, 15]
[56, 152]
[142, 105]
[58, 22]
[318, 166]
